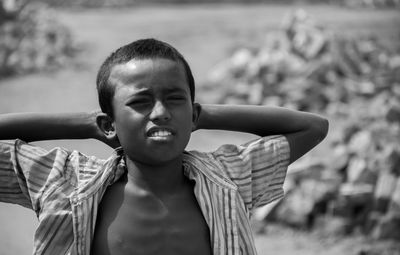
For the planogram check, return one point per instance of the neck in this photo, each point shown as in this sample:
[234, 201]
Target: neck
[159, 179]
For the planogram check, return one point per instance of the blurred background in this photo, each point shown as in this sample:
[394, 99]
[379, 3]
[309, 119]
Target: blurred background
[337, 58]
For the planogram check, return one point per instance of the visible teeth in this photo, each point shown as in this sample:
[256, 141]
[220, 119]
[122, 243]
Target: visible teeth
[160, 133]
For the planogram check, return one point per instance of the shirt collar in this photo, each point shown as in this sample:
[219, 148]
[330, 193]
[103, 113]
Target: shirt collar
[193, 164]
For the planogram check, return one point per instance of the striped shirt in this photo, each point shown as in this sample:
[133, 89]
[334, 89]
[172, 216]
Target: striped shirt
[64, 188]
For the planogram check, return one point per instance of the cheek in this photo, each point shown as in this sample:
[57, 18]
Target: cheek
[127, 125]
[186, 118]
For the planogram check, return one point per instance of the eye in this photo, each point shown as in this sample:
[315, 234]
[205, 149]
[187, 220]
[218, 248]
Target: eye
[140, 102]
[176, 98]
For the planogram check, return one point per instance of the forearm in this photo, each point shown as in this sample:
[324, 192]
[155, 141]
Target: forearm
[48, 126]
[259, 120]
[302, 130]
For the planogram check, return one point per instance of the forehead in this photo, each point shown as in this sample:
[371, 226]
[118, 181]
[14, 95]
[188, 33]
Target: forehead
[158, 73]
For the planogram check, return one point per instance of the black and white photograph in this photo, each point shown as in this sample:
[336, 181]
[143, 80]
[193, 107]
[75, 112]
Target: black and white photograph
[208, 127]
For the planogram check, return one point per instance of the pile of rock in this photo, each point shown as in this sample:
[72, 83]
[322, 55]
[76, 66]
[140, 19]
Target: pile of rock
[304, 67]
[356, 185]
[372, 3]
[89, 3]
[356, 81]
[123, 3]
[31, 39]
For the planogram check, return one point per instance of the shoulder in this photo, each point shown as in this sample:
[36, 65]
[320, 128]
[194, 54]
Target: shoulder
[256, 169]
[30, 160]
[241, 161]
[264, 149]
[92, 170]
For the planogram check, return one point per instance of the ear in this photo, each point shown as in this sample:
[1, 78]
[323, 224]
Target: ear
[106, 124]
[195, 115]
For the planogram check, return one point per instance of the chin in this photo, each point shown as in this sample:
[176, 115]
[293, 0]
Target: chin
[157, 159]
[164, 159]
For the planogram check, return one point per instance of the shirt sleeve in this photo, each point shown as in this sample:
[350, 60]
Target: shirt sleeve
[27, 172]
[258, 168]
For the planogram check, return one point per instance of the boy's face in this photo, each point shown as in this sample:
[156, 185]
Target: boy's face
[153, 111]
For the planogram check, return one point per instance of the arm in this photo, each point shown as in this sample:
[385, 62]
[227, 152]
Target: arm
[51, 126]
[302, 130]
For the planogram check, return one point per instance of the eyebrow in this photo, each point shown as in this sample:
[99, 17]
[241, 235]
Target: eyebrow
[173, 90]
[143, 91]
[146, 91]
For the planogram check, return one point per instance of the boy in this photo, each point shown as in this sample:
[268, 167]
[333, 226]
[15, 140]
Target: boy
[150, 196]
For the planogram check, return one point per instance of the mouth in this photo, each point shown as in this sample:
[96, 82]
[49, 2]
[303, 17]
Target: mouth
[160, 133]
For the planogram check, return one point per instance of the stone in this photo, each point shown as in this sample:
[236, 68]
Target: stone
[393, 160]
[294, 209]
[394, 62]
[305, 202]
[384, 189]
[387, 227]
[332, 226]
[393, 113]
[360, 142]
[356, 170]
[351, 197]
[340, 158]
[240, 59]
[394, 206]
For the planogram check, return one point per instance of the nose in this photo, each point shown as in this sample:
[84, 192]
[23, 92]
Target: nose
[160, 112]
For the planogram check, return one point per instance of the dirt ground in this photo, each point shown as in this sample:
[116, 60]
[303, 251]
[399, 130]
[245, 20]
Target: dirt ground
[205, 34]
[287, 241]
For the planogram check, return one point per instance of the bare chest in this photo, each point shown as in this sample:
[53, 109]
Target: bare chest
[143, 224]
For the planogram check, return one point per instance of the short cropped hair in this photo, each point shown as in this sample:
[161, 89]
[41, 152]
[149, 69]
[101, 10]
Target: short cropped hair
[140, 49]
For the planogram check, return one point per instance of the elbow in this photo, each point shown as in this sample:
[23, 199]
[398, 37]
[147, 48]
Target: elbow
[321, 128]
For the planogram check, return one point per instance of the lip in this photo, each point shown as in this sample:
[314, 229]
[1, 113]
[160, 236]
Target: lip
[160, 128]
